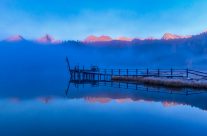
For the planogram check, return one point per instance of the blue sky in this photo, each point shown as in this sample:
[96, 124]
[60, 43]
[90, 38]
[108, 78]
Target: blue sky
[76, 19]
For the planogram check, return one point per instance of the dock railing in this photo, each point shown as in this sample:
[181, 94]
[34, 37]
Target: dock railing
[96, 73]
[107, 74]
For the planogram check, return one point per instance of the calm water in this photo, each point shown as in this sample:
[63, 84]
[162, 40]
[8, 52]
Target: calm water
[101, 110]
[37, 99]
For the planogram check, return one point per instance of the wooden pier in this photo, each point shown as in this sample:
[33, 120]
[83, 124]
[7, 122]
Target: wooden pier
[95, 74]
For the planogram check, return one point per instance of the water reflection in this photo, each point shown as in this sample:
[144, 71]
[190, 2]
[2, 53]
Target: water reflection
[105, 92]
[103, 108]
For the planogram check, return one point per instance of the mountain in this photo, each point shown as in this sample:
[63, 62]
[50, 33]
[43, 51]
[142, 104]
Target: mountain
[169, 36]
[48, 39]
[104, 38]
[204, 32]
[93, 38]
[15, 38]
[166, 36]
[124, 39]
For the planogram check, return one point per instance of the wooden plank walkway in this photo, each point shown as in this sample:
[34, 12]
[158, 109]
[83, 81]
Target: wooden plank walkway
[95, 74]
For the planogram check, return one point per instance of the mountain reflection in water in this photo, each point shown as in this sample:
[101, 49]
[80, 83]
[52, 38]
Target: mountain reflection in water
[105, 92]
[102, 109]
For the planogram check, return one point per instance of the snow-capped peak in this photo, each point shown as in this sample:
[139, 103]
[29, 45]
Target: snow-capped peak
[102, 38]
[169, 36]
[15, 38]
[46, 39]
[122, 38]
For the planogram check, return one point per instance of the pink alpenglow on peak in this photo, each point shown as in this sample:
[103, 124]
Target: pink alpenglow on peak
[169, 104]
[15, 38]
[91, 38]
[124, 39]
[98, 39]
[105, 38]
[48, 39]
[102, 100]
[169, 36]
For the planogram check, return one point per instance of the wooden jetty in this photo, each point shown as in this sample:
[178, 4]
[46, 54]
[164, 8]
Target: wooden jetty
[180, 78]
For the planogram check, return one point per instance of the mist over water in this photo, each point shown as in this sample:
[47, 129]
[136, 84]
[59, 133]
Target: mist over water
[34, 80]
[145, 62]
[36, 63]
[31, 66]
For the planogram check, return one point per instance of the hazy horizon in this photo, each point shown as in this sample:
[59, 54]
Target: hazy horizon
[69, 20]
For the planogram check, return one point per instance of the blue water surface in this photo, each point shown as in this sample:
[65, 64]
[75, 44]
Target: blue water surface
[37, 99]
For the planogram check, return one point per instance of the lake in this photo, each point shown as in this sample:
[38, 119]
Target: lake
[37, 98]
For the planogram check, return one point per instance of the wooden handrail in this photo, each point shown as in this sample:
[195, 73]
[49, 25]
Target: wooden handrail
[198, 71]
[141, 72]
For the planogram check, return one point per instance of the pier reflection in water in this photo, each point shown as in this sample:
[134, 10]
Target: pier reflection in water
[109, 90]
[104, 108]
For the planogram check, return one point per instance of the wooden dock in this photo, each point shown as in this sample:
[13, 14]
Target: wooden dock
[95, 74]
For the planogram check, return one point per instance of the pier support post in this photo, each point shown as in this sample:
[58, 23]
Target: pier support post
[127, 72]
[99, 76]
[147, 72]
[112, 72]
[105, 74]
[158, 72]
[74, 75]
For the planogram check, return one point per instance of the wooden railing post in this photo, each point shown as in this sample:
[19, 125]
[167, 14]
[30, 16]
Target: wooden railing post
[99, 75]
[83, 74]
[79, 76]
[105, 74]
[112, 72]
[127, 72]
[147, 72]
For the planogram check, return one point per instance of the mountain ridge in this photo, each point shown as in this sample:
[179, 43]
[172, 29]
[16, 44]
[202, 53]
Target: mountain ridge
[48, 39]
